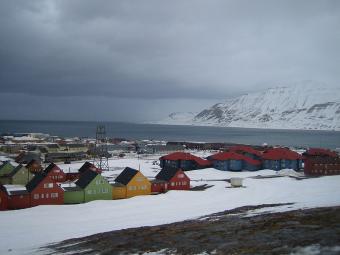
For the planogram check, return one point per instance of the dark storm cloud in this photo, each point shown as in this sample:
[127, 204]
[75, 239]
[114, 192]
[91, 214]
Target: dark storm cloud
[164, 49]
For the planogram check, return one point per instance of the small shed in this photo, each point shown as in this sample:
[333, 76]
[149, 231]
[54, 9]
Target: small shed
[236, 182]
[14, 197]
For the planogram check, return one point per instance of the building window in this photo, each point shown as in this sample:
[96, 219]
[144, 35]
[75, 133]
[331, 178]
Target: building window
[184, 183]
[42, 195]
[36, 196]
[181, 176]
[172, 184]
[89, 192]
[54, 195]
[48, 185]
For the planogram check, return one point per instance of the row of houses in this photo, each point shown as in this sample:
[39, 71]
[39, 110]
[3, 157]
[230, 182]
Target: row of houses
[53, 186]
[238, 158]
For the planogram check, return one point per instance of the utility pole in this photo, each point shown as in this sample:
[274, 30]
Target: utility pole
[101, 154]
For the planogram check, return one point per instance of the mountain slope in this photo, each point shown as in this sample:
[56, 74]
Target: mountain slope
[306, 105]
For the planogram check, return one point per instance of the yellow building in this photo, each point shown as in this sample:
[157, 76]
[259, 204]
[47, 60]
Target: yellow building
[130, 183]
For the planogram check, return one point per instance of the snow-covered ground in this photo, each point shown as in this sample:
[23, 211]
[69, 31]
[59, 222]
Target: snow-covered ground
[23, 231]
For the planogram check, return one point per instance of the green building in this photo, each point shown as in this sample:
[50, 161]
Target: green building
[19, 175]
[90, 186]
[6, 168]
[73, 195]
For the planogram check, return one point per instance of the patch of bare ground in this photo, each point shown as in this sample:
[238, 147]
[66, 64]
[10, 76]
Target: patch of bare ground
[227, 232]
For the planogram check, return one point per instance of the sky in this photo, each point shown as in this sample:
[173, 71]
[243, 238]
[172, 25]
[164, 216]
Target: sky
[139, 61]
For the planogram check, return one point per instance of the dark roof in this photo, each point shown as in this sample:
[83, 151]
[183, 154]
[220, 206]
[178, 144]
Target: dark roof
[27, 157]
[5, 163]
[166, 174]
[18, 192]
[13, 192]
[126, 176]
[87, 166]
[32, 184]
[85, 178]
[50, 168]
[15, 170]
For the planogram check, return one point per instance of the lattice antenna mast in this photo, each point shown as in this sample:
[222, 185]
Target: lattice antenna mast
[101, 154]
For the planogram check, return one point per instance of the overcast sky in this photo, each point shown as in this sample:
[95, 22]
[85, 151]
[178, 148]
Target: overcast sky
[141, 60]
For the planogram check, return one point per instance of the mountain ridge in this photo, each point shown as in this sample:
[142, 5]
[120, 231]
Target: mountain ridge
[305, 105]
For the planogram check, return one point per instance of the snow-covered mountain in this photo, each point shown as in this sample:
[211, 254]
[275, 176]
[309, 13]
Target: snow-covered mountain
[181, 117]
[303, 105]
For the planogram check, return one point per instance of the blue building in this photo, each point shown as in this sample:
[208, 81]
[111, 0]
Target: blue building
[231, 161]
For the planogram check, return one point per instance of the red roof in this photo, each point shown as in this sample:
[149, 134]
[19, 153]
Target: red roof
[321, 152]
[234, 156]
[281, 153]
[246, 148]
[186, 156]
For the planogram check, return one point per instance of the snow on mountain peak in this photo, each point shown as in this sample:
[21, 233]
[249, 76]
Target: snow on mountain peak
[299, 105]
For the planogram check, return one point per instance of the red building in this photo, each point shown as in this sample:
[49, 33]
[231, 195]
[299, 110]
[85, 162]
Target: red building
[14, 197]
[184, 161]
[281, 158]
[72, 176]
[3, 198]
[34, 166]
[55, 173]
[247, 151]
[170, 179]
[87, 165]
[321, 162]
[44, 191]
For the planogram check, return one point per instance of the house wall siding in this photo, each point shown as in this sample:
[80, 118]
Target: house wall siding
[19, 202]
[22, 177]
[47, 196]
[139, 185]
[74, 197]
[3, 201]
[6, 169]
[98, 189]
[118, 192]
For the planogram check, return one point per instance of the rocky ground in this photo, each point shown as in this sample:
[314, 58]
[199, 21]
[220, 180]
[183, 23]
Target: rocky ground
[310, 231]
